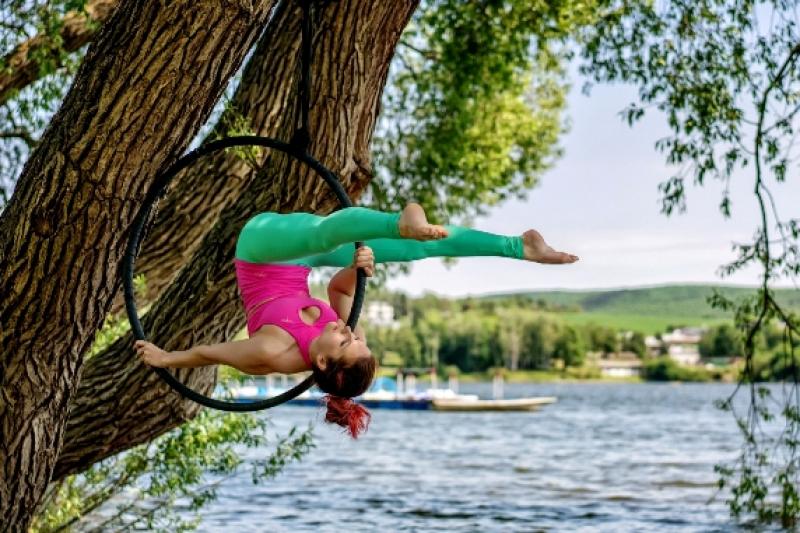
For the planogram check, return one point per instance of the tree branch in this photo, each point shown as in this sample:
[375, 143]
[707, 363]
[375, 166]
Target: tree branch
[427, 54]
[22, 67]
[23, 135]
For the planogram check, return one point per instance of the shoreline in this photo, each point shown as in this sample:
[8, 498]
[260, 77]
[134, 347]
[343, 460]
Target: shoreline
[557, 376]
[526, 376]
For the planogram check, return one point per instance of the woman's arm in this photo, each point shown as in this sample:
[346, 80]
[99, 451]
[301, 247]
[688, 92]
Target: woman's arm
[342, 287]
[341, 291]
[245, 355]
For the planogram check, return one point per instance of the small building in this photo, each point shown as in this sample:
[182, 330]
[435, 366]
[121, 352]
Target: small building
[617, 368]
[683, 336]
[622, 365]
[653, 345]
[685, 354]
[381, 314]
[681, 344]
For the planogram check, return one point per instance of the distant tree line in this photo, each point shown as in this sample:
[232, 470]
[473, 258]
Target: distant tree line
[522, 333]
[476, 334]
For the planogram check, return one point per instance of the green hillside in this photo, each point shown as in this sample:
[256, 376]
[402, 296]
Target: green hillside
[648, 309]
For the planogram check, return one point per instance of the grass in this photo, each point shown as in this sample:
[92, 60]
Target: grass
[646, 309]
[687, 299]
[647, 324]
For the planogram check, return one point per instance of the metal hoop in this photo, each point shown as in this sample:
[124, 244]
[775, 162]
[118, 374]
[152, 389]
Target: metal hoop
[134, 242]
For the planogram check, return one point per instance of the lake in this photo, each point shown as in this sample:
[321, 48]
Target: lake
[605, 457]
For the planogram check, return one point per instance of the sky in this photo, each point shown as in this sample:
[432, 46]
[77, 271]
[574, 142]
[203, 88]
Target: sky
[601, 202]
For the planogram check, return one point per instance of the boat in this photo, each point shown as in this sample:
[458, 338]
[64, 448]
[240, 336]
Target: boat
[515, 404]
[388, 393]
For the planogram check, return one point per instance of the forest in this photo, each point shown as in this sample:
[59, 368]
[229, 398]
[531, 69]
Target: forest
[534, 332]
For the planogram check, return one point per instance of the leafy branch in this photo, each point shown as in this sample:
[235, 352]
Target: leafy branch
[699, 62]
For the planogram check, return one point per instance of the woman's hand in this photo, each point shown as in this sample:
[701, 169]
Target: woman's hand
[151, 354]
[364, 258]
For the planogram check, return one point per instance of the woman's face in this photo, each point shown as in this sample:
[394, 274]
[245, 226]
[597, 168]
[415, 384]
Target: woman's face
[338, 343]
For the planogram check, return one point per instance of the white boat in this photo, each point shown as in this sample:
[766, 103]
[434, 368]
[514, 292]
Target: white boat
[516, 404]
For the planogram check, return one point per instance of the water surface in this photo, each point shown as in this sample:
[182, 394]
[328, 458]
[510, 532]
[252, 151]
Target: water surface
[605, 457]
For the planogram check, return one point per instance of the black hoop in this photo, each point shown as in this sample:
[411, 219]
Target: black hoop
[134, 242]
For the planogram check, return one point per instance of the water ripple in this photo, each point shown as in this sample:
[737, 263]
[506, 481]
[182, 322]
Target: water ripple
[603, 458]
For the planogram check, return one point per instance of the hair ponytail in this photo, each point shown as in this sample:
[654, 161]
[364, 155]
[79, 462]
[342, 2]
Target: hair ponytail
[342, 383]
[347, 413]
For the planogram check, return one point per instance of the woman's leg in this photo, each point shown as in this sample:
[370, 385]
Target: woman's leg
[275, 237]
[461, 242]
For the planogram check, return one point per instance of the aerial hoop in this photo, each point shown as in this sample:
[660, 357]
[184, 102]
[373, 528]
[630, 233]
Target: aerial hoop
[298, 149]
[134, 241]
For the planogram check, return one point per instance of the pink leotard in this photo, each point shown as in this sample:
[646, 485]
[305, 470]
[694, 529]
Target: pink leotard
[275, 294]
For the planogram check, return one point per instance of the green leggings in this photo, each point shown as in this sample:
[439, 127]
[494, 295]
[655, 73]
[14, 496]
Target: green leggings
[314, 241]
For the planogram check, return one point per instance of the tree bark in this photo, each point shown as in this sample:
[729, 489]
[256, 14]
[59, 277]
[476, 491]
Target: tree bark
[22, 65]
[122, 403]
[145, 87]
[266, 96]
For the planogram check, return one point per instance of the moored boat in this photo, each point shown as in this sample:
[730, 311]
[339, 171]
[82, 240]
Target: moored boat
[386, 394]
[515, 404]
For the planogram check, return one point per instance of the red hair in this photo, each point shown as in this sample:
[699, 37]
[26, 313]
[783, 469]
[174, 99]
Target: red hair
[342, 383]
[353, 417]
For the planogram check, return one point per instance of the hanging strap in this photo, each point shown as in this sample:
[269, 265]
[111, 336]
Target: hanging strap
[302, 138]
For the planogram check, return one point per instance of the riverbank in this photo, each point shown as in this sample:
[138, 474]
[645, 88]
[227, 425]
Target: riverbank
[578, 375]
[655, 370]
[531, 376]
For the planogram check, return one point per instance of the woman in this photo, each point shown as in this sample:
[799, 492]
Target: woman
[291, 332]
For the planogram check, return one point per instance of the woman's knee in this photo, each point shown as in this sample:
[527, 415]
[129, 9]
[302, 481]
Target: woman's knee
[331, 226]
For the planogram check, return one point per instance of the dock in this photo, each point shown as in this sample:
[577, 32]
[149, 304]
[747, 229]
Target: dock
[387, 393]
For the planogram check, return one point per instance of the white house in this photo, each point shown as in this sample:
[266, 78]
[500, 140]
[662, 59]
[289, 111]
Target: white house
[681, 344]
[653, 345]
[619, 369]
[619, 365]
[381, 314]
[683, 336]
[685, 354]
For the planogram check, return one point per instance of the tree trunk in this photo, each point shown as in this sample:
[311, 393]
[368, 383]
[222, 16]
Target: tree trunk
[145, 87]
[122, 403]
[515, 347]
[266, 95]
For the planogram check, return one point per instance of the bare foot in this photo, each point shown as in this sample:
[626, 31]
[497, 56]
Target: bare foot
[538, 251]
[414, 224]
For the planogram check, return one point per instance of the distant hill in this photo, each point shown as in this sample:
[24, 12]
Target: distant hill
[651, 307]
